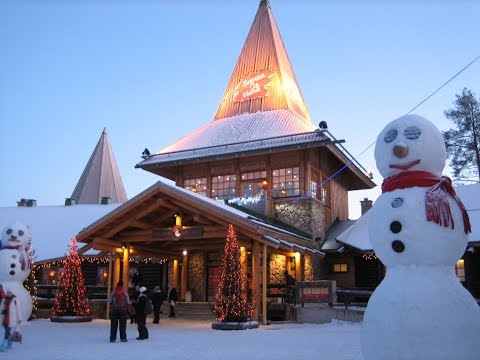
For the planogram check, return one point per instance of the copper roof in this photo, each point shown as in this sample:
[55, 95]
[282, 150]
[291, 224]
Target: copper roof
[101, 177]
[263, 78]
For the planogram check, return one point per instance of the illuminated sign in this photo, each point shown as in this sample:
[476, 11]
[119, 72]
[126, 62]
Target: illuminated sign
[253, 86]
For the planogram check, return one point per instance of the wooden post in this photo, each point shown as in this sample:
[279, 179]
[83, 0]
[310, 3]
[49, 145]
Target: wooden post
[244, 265]
[175, 274]
[116, 270]
[256, 279]
[299, 267]
[184, 276]
[126, 269]
[264, 285]
[109, 281]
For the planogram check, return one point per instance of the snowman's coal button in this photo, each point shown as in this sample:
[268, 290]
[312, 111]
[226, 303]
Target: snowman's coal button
[398, 246]
[395, 227]
[397, 202]
[12, 265]
[12, 272]
[14, 256]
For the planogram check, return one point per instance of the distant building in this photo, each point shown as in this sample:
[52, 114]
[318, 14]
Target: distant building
[261, 164]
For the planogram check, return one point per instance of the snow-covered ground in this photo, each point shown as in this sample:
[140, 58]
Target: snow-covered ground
[179, 339]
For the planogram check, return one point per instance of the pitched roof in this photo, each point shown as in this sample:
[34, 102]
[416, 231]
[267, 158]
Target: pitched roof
[262, 99]
[101, 177]
[263, 78]
[153, 206]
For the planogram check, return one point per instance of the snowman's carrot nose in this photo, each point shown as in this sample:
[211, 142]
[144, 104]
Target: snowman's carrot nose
[400, 150]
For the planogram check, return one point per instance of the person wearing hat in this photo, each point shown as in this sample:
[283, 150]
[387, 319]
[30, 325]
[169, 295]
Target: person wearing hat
[141, 317]
[9, 318]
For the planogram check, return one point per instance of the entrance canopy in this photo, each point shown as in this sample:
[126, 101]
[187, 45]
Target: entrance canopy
[164, 220]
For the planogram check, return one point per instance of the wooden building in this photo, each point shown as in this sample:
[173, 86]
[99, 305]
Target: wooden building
[261, 164]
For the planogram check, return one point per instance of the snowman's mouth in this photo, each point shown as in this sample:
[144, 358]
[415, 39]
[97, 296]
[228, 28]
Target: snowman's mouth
[405, 166]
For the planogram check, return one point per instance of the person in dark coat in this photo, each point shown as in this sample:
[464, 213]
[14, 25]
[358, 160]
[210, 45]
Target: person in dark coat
[157, 300]
[119, 305]
[173, 298]
[141, 317]
[137, 279]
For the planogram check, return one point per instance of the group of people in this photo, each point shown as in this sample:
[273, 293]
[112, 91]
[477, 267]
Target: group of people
[122, 305]
[9, 317]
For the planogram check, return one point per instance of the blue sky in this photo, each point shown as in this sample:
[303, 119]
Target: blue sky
[152, 71]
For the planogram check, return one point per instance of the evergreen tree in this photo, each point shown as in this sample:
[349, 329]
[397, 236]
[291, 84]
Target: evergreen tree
[71, 299]
[231, 301]
[463, 142]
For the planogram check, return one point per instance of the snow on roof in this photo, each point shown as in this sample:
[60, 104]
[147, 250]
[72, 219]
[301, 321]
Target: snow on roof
[52, 227]
[357, 234]
[237, 133]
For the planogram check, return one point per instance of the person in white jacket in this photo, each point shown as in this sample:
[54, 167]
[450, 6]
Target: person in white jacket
[9, 318]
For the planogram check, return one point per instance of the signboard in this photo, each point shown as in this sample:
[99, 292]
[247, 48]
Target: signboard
[321, 291]
[177, 233]
[253, 86]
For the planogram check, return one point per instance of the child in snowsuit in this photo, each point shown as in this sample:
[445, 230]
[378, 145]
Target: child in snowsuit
[9, 316]
[141, 316]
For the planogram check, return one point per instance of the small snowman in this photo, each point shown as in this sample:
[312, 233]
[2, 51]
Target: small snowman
[15, 265]
[419, 229]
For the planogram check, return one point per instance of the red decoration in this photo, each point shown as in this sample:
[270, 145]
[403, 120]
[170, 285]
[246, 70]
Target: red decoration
[71, 299]
[436, 202]
[253, 86]
[231, 303]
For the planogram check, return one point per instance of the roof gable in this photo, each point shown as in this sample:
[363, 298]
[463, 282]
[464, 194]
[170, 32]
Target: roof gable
[101, 177]
[263, 78]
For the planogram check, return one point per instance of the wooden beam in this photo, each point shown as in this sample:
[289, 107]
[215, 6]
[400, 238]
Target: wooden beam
[136, 215]
[85, 248]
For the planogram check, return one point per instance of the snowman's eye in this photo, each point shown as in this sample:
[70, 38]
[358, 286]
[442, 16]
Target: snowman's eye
[9, 232]
[412, 132]
[20, 232]
[390, 136]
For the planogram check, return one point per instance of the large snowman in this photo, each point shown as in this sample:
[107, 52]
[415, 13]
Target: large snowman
[15, 265]
[419, 229]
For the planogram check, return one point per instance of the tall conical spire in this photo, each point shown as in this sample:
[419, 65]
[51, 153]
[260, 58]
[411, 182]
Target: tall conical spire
[263, 78]
[101, 177]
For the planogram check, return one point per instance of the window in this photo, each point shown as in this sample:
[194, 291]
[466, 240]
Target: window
[49, 276]
[102, 276]
[340, 268]
[198, 185]
[252, 183]
[223, 187]
[286, 182]
[460, 270]
[315, 191]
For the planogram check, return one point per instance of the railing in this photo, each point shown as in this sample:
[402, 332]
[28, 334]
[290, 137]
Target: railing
[347, 296]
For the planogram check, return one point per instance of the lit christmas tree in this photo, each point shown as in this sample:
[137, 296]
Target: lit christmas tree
[30, 282]
[231, 301]
[71, 299]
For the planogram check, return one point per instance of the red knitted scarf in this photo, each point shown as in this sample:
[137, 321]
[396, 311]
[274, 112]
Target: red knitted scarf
[436, 202]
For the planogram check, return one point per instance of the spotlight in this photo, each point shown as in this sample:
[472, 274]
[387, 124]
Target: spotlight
[323, 125]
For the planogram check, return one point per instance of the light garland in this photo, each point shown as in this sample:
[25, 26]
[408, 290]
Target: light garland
[244, 200]
[231, 301]
[369, 256]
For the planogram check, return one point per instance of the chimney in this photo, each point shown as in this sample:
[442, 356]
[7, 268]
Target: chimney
[27, 202]
[69, 201]
[105, 200]
[366, 205]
